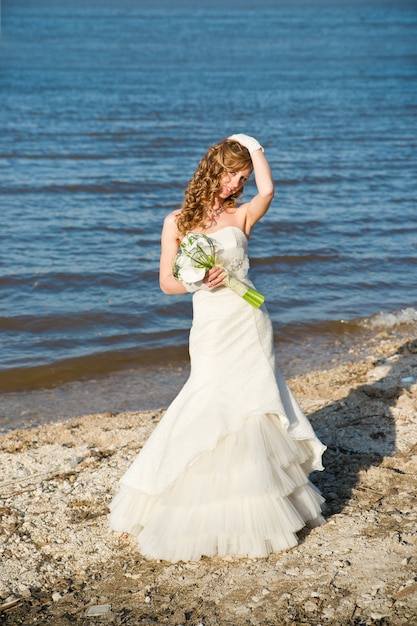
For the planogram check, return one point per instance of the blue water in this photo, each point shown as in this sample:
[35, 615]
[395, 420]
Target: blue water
[106, 108]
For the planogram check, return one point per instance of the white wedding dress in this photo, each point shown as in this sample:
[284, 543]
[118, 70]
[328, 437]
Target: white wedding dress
[225, 472]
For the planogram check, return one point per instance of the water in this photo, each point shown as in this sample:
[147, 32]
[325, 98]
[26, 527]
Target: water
[106, 107]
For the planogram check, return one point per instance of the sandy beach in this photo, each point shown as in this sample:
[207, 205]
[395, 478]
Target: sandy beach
[61, 565]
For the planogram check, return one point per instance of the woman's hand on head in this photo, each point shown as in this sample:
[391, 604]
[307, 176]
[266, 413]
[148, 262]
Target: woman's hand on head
[250, 143]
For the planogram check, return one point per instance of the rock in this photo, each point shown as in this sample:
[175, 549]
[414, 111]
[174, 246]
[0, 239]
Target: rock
[25, 592]
[377, 615]
[310, 606]
[75, 460]
[9, 603]
[98, 609]
[328, 613]
[293, 572]
[309, 573]
[378, 584]
[410, 588]
[242, 610]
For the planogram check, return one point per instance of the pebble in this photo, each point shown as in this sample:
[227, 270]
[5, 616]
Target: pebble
[378, 584]
[98, 609]
[376, 615]
[308, 572]
[293, 572]
[328, 613]
[75, 460]
[310, 607]
[4, 590]
[25, 592]
[9, 603]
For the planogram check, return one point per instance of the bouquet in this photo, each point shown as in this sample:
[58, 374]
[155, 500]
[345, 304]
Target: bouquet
[197, 254]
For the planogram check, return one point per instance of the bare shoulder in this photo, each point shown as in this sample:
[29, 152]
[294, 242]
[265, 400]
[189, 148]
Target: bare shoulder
[173, 215]
[170, 229]
[170, 220]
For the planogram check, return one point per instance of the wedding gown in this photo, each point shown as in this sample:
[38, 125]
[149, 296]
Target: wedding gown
[225, 472]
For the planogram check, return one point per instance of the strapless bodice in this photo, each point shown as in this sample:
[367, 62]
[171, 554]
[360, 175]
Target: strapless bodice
[233, 250]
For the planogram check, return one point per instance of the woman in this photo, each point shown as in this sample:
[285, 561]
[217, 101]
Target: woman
[225, 472]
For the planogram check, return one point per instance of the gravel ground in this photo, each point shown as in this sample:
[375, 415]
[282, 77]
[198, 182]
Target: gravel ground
[61, 565]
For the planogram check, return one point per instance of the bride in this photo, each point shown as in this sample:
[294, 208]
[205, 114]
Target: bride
[226, 470]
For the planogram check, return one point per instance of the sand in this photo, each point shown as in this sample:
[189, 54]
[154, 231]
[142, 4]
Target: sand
[60, 563]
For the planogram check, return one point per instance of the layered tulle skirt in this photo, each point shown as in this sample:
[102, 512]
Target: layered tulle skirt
[246, 498]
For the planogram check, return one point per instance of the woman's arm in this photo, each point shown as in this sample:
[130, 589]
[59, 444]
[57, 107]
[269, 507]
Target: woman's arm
[169, 249]
[259, 205]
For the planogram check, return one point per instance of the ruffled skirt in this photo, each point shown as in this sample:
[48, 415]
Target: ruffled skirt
[246, 498]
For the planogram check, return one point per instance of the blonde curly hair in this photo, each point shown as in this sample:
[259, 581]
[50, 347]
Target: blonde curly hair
[228, 155]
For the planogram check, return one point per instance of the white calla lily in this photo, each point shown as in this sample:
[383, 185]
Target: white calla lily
[192, 274]
[198, 253]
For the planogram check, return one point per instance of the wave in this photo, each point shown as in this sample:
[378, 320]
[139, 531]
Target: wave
[389, 320]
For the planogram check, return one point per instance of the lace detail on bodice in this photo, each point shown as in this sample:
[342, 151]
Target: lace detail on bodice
[233, 251]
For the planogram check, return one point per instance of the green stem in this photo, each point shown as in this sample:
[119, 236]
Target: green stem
[254, 298]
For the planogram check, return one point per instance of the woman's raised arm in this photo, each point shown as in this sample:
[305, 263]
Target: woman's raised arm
[259, 205]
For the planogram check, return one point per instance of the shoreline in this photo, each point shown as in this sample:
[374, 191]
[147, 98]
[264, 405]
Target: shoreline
[60, 559]
[154, 385]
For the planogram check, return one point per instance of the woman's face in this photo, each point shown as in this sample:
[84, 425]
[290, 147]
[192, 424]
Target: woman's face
[232, 181]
